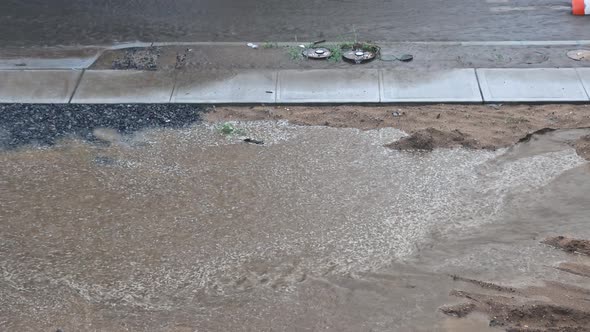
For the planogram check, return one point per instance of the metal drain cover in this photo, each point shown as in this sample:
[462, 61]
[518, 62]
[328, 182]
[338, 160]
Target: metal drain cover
[359, 56]
[317, 53]
[579, 55]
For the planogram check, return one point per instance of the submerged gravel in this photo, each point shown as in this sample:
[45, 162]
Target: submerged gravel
[43, 124]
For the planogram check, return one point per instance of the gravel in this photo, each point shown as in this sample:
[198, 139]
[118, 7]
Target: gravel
[43, 124]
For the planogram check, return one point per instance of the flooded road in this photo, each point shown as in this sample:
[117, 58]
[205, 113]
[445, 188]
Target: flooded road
[85, 22]
[318, 229]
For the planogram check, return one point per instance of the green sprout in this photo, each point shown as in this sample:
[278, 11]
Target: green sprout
[229, 129]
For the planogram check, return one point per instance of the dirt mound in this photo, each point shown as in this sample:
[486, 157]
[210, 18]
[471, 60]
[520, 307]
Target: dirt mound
[569, 244]
[583, 147]
[429, 139]
[458, 310]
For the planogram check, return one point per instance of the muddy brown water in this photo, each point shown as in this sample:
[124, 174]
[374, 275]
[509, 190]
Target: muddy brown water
[86, 22]
[318, 229]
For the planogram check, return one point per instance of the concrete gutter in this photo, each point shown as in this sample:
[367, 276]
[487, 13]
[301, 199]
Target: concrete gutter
[333, 86]
[82, 57]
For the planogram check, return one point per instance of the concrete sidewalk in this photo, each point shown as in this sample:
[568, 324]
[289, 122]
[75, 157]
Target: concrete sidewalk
[356, 85]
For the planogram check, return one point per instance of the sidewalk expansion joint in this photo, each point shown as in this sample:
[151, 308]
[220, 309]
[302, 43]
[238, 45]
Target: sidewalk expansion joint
[76, 86]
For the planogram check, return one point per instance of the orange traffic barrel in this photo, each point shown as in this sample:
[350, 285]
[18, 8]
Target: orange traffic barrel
[581, 7]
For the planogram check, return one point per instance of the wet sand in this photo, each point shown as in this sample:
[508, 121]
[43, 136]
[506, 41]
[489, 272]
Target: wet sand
[319, 228]
[430, 126]
[549, 306]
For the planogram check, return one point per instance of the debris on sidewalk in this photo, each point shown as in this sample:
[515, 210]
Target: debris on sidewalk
[181, 58]
[252, 45]
[138, 59]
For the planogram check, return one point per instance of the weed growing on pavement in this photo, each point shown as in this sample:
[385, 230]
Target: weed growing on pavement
[295, 53]
[336, 51]
[270, 45]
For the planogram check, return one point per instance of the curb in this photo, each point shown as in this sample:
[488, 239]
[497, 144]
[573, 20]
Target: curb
[318, 86]
[65, 59]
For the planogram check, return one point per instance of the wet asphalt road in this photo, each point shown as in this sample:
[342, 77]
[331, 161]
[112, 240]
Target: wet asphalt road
[86, 22]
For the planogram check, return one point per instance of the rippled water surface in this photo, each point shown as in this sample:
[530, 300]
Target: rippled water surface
[319, 228]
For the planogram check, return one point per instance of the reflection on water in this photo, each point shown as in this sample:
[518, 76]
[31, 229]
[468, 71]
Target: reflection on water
[319, 228]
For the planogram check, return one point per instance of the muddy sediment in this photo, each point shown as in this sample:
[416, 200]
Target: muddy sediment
[522, 313]
[569, 244]
[573, 268]
[431, 126]
[526, 317]
[550, 307]
[484, 284]
[583, 147]
[428, 139]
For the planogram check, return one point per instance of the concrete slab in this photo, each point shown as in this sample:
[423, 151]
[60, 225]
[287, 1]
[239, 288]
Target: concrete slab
[531, 85]
[124, 86]
[37, 86]
[51, 58]
[30, 64]
[226, 87]
[584, 74]
[456, 85]
[328, 86]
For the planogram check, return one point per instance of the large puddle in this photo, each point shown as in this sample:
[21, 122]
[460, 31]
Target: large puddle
[317, 229]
